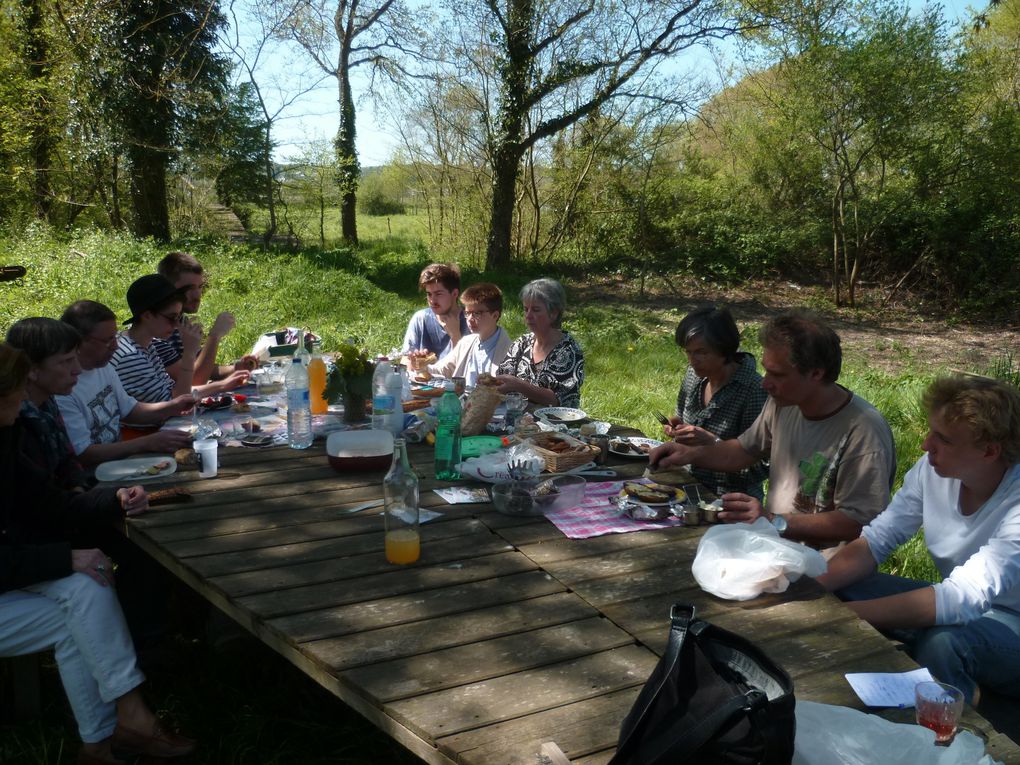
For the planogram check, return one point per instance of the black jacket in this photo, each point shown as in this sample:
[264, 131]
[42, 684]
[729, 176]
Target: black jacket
[40, 523]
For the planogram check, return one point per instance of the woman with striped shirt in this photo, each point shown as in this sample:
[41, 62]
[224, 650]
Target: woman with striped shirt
[156, 307]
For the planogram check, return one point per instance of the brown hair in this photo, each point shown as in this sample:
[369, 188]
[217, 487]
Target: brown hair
[86, 315]
[813, 344]
[990, 408]
[446, 274]
[176, 263]
[486, 293]
[14, 366]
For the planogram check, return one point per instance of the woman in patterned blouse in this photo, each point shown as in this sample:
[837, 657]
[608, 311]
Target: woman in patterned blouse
[720, 397]
[545, 364]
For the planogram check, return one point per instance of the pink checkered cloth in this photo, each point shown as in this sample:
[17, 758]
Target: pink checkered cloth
[598, 514]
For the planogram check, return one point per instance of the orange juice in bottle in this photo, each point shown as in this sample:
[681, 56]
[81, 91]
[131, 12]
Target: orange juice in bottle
[400, 514]
[317, 382]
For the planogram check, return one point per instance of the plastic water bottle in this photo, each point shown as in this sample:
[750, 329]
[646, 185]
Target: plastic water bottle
[299, 409]
[395, 389]
[383, 402]
[448, 435]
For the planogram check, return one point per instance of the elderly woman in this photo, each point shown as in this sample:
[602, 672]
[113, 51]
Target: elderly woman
[55, 594]
[156, 311]
[720, 397]
[545, 364]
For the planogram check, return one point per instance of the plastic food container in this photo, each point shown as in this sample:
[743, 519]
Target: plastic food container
[527, 497]
[360, 450]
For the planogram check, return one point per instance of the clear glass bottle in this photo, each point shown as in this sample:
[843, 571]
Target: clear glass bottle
[400, 492]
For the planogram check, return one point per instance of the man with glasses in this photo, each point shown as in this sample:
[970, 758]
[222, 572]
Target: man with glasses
[439, 327]
[486, 346]
[156, 311]
[199, 363]
[97, 403]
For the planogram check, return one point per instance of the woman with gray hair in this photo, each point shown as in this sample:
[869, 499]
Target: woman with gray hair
[545, 364]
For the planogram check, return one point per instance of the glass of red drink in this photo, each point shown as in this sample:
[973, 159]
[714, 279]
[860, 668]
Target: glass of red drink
[939, 707]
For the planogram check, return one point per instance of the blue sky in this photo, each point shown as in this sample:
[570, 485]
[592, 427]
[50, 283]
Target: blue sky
[314, 116]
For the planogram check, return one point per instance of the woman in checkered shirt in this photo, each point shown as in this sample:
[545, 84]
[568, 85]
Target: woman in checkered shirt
[720, 397]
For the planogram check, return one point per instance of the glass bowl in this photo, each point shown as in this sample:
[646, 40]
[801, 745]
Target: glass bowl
[532, 496]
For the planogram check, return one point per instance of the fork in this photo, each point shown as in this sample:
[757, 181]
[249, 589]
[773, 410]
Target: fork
[663, 419]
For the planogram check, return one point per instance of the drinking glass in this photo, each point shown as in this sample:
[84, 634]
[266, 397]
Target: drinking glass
[939, 707]
[515, 406]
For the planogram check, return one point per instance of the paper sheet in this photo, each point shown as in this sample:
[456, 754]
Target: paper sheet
[887, 689]
[458, 495]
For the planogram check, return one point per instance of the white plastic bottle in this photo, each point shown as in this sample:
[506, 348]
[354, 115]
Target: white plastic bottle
[382, 399]
[395, 389]
[299, 408]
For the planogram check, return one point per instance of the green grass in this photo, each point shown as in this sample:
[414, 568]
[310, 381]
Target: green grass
[633, 368]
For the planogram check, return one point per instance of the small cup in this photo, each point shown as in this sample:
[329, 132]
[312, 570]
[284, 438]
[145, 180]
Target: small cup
[205, 452]
[602, 442]
[458, 385]
[692, 515]
[939, 707]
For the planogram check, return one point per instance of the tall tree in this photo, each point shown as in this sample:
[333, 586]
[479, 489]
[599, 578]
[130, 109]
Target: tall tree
[167, 78]
[341, 36]
[553, 63]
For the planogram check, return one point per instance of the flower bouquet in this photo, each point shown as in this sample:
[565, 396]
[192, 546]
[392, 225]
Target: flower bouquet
[350, 379]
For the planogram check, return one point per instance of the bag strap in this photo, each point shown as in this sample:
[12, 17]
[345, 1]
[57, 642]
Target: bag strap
[680, 616]
[678, 744]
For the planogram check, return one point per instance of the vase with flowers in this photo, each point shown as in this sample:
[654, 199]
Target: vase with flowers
[350, 379]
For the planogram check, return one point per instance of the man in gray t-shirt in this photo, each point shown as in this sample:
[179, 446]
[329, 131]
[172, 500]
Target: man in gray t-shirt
[831, 453]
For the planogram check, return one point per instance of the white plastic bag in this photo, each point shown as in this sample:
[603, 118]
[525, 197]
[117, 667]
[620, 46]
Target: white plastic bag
[830, 735]
[740, 561]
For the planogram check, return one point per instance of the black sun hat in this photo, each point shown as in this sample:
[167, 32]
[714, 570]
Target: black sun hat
[150, 292]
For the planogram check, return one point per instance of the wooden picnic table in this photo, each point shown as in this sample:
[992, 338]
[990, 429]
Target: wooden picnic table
[504, 636]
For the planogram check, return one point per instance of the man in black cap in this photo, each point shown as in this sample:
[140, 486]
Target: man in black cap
[156, 310]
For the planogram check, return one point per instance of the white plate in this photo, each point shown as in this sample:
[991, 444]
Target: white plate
[561, 413]
[133, 469]
[637, 442]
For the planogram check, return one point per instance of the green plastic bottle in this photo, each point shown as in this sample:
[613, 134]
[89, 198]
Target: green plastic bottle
[448, 435]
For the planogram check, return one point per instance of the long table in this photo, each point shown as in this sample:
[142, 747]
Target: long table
[503, 637]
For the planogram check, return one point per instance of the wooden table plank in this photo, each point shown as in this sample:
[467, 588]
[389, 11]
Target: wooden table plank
[322, 584]
[447, 631]
[481, 660]
[503, 698]
[345, 620]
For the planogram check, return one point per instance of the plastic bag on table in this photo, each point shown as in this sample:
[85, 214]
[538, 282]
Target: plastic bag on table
[495, 466]
[740, 561]
[831, 735]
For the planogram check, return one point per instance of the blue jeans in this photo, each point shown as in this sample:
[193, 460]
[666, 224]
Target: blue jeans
[984, 652]
[83, 623]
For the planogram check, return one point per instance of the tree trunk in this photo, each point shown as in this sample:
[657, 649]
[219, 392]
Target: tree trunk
[348, 169]
[505, 167]
[41, 140]
[148, 193]
[515, 79]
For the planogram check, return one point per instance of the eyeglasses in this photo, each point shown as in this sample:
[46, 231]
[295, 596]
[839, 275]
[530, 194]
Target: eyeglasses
[479, 312]
[173, 318]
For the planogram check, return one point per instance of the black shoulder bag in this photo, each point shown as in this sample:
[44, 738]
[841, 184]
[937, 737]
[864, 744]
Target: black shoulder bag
[714, 698]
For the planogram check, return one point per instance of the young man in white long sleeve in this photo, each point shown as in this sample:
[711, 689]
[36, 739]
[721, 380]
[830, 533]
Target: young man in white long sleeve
[965, 494]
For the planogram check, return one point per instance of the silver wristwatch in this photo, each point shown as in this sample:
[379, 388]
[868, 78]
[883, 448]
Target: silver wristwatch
[780, 523]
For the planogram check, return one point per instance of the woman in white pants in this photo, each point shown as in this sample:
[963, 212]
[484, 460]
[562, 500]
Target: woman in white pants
[53, 595]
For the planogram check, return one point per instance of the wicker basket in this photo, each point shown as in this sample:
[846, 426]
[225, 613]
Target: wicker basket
[578, 454]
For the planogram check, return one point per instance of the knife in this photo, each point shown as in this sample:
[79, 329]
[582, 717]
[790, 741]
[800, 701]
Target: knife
[362, 506]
